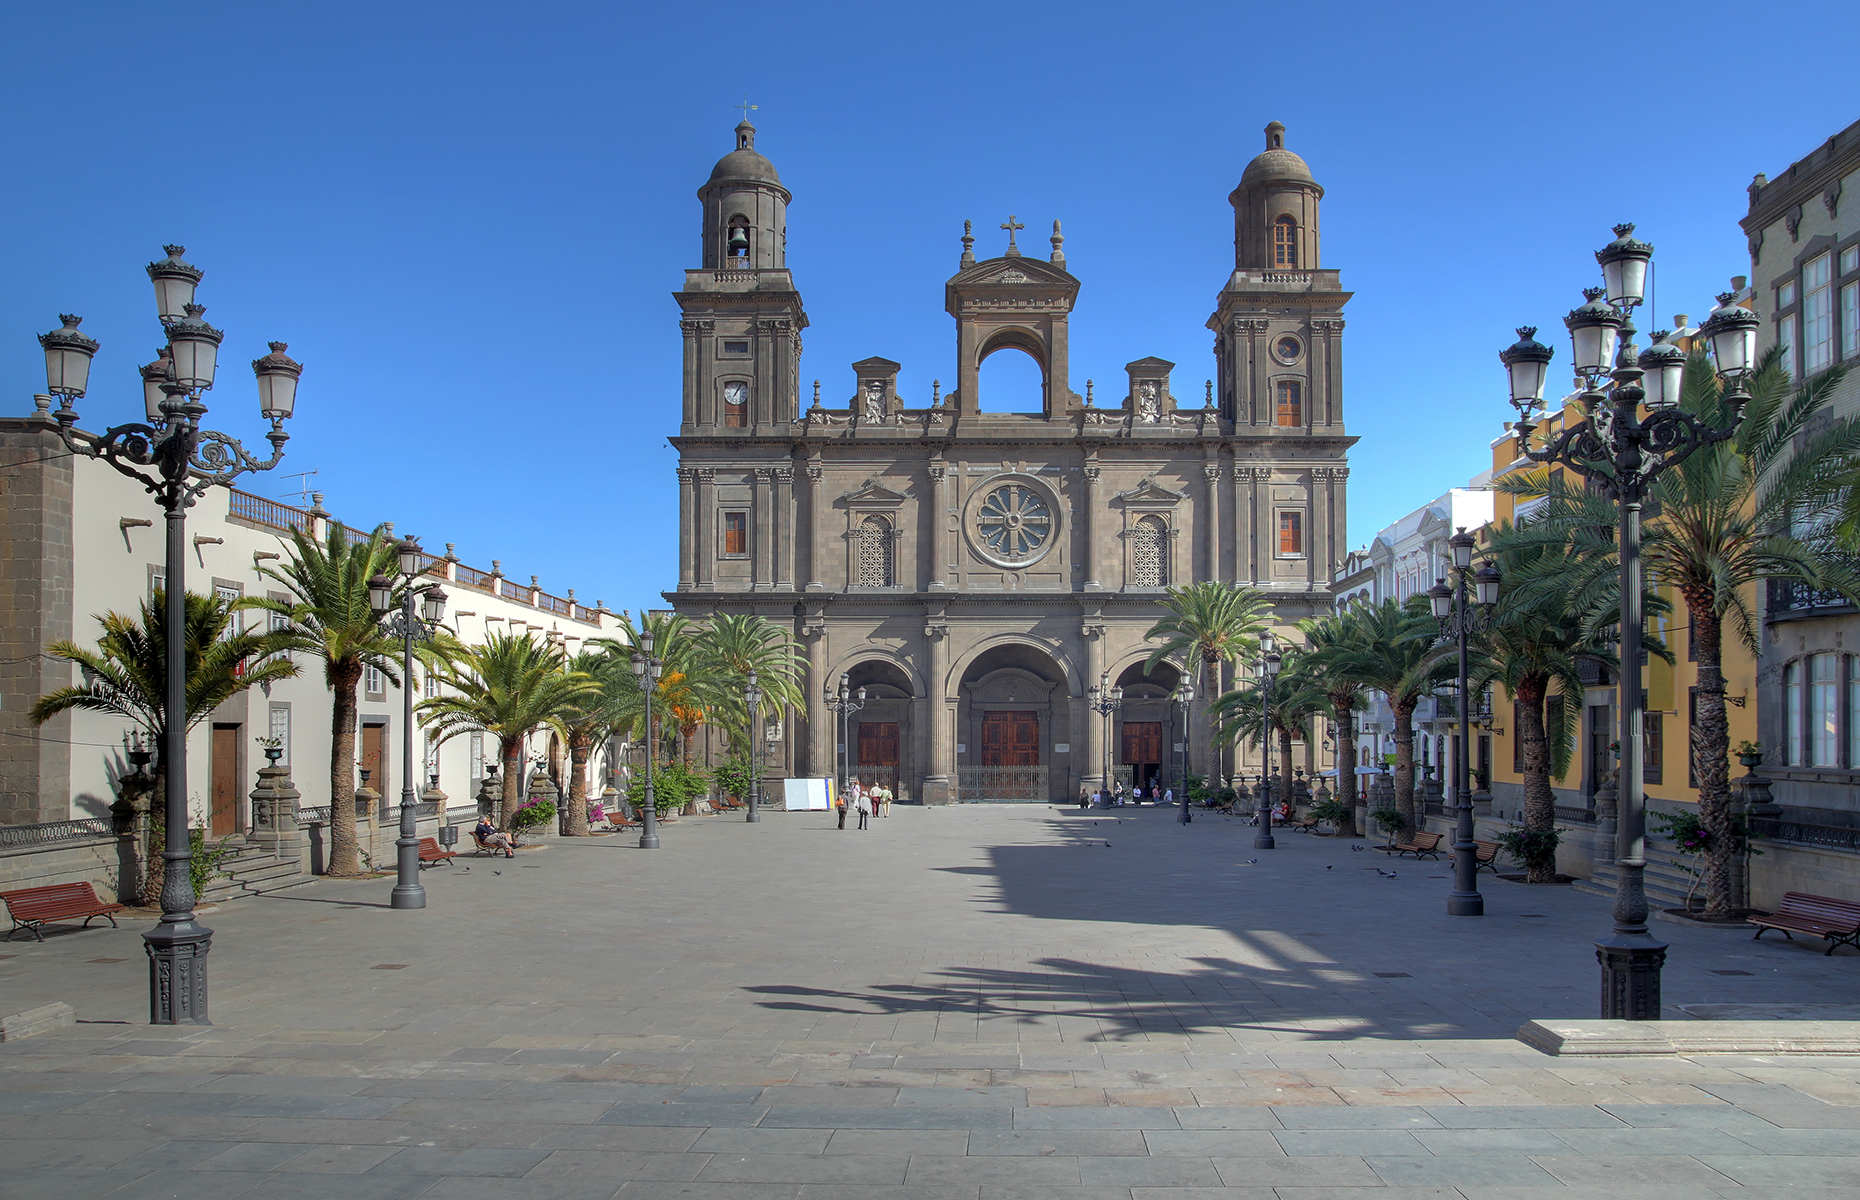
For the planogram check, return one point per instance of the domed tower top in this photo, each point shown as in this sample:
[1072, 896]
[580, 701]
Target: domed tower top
[745, 210]
[1276, 210]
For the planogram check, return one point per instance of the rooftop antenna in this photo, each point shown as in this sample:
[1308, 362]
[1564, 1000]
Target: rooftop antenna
[301, 493]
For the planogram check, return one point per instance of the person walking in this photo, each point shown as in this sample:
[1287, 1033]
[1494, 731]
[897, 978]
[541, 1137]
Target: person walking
[863, 801]
[1084, 797]
[843, 800]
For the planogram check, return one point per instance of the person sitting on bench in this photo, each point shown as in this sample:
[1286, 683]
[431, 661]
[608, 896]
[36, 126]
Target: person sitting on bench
[492, 838]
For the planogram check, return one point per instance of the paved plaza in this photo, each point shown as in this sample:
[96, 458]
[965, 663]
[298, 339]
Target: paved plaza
[969, 1003]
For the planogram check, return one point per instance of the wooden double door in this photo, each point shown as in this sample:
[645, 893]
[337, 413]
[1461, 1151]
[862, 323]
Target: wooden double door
[1010, 739]
[1141, 749]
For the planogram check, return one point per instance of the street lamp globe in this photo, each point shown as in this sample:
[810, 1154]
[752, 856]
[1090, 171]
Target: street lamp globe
[1731, 331]
[1461, 544]
[196, 347]
[380, 592]
[1485, 583]
[409, 554]
[1527, 361]
[174, 283]
[277, 375]
[1624, 267]
[1440, 599]
[645, 643]
[67, 357]
[155, 378]
[433, 605]
[1117, 695]
[1270, 664]
[1594, 333]
[1663, 367]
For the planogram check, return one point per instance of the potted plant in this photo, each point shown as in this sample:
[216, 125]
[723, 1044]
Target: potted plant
[1750, 754]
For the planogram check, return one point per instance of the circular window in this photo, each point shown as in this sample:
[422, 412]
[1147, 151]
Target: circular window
[1287, 348]
[1014, 523]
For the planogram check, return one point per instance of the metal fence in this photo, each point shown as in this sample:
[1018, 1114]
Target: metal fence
[875, 776]
[1581, 816]
[47, 833]
[1805, 833]
[1788, 595]
[473, 577]
[313, 816]
[1001, 785]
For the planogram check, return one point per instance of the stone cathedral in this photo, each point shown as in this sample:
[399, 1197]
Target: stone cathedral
[976, 572]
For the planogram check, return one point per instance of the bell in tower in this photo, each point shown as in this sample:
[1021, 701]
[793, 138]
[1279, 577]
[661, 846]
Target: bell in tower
[745, 210]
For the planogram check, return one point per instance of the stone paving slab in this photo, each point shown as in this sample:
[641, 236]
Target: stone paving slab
[953, 1006]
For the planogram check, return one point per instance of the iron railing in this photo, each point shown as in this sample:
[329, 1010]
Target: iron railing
[1792, 596]
[1001, 785]
[48, 833]
[313, 816]
[473, 577]
[554, 604]
[875, 776]
[1580, 816]
[1805, 833]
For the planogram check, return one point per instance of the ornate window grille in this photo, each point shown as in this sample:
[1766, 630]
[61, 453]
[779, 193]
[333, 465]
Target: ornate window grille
[1149, 553]
[872, 554]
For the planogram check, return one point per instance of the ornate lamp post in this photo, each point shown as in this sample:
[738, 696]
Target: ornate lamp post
[1624, 451]
[644, 665]
[409, 627]
[1105, 700]
[1185, 696]
[845, 702]
[1459, 620]
[1269, 663]
[752, 699]
[177, 461]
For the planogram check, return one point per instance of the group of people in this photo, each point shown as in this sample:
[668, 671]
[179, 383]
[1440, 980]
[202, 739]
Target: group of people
[864, 801]
[1114, 796]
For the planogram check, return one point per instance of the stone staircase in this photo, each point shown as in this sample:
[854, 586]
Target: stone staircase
[1666, 878]
[251, 870]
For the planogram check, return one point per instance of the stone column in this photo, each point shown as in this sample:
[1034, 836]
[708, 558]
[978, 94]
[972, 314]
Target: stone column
[814, 473]
[702, 532]
[939, 525]
[1091, 771]
[690, 330]
[1089, 521]
[782, 518]
[939, 785]
[1210, 518]
[761, 564]
[820, 722]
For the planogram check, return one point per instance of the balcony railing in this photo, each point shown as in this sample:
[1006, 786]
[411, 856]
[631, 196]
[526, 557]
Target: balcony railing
[1805, 833]
[473, 577]
[49, 833]
[1788, 596]
[270, 513]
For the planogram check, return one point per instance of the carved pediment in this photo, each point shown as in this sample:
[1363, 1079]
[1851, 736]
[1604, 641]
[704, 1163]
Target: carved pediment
[1151, 493]
[873, 494]
[1014, 272]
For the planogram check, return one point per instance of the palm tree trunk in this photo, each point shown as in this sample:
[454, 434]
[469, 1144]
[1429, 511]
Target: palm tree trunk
[1534, 749]
[1211, 680]
[1346, 764]
[345, 856]
[580, 748]
[512, 750]
[1404, 765]
[1711, 740]
[1286, 791]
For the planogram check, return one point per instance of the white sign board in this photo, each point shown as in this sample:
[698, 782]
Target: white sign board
[805, 794]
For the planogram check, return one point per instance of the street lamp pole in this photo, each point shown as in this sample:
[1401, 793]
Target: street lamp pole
[405, 625]
[1269, 663]
[1459, 620]
[752, 699]
[844, 703]
[646, 672]
[1105, 700]
[1185, 696]
[177, 461]
[1624, 452]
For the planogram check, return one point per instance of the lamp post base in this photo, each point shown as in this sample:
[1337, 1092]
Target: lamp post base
[1631, 966]
[753, 816]
[408, 892]
[1264, 841]
[178, 972]
[649, 830]
[1465, 904]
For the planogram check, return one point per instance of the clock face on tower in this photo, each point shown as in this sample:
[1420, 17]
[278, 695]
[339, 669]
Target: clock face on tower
[736, 392]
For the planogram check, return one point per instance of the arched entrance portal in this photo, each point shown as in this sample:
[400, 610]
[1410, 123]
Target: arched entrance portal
[1015, 727]
[878, 736]
[1147, 733]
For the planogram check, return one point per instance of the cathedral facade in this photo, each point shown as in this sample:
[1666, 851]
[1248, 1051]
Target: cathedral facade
[977, 572]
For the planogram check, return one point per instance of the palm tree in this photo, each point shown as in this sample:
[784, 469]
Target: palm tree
[330, 616]
[1209, 623]
[510, 686]
[1391, 652]
[1724, 523]
[732, 645]
[1286, 714]
[589, 719]
[1325, 638]
[128, 671]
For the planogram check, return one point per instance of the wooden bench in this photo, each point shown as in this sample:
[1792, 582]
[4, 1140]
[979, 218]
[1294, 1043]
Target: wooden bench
[1819, 916]
[1421, 845]
[493, 851]
[431, 853]
[1485, 854]
[1301, 824]
[31, 908]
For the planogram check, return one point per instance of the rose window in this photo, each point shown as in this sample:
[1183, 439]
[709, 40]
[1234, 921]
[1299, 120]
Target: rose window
[1014, 522]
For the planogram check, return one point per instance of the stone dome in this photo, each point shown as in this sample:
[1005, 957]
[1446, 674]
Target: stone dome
[1276, 163]
[744, 163]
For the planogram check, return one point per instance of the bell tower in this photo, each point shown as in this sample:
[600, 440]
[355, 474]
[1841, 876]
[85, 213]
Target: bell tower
[742, 317]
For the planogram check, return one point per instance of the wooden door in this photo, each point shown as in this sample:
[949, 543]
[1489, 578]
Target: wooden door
[374, 756]
[1010, 739]
[878, 744]
[1142, 743]
[225, 768]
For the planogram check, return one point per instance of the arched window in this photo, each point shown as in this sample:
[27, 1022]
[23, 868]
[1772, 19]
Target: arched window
[1290, 410]
[1285, 242]
[1149, 554]
[872, 553]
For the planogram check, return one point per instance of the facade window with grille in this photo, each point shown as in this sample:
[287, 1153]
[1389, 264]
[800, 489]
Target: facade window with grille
[1285, 242]
[430, 686]
[1291, 534]
[280, 728]
[477, 760]
[1149, 553]
[1653, 746]
[1818, 313]
[1792, 714]
[872, 553]
[1850, 321]
[1824, 711]
[1290, 411]
[735, 534]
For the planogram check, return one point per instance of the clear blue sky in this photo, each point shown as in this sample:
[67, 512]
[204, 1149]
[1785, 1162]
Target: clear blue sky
[467, 218]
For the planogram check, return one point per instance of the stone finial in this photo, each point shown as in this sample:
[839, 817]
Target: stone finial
[968, 243]
[1059, 241]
